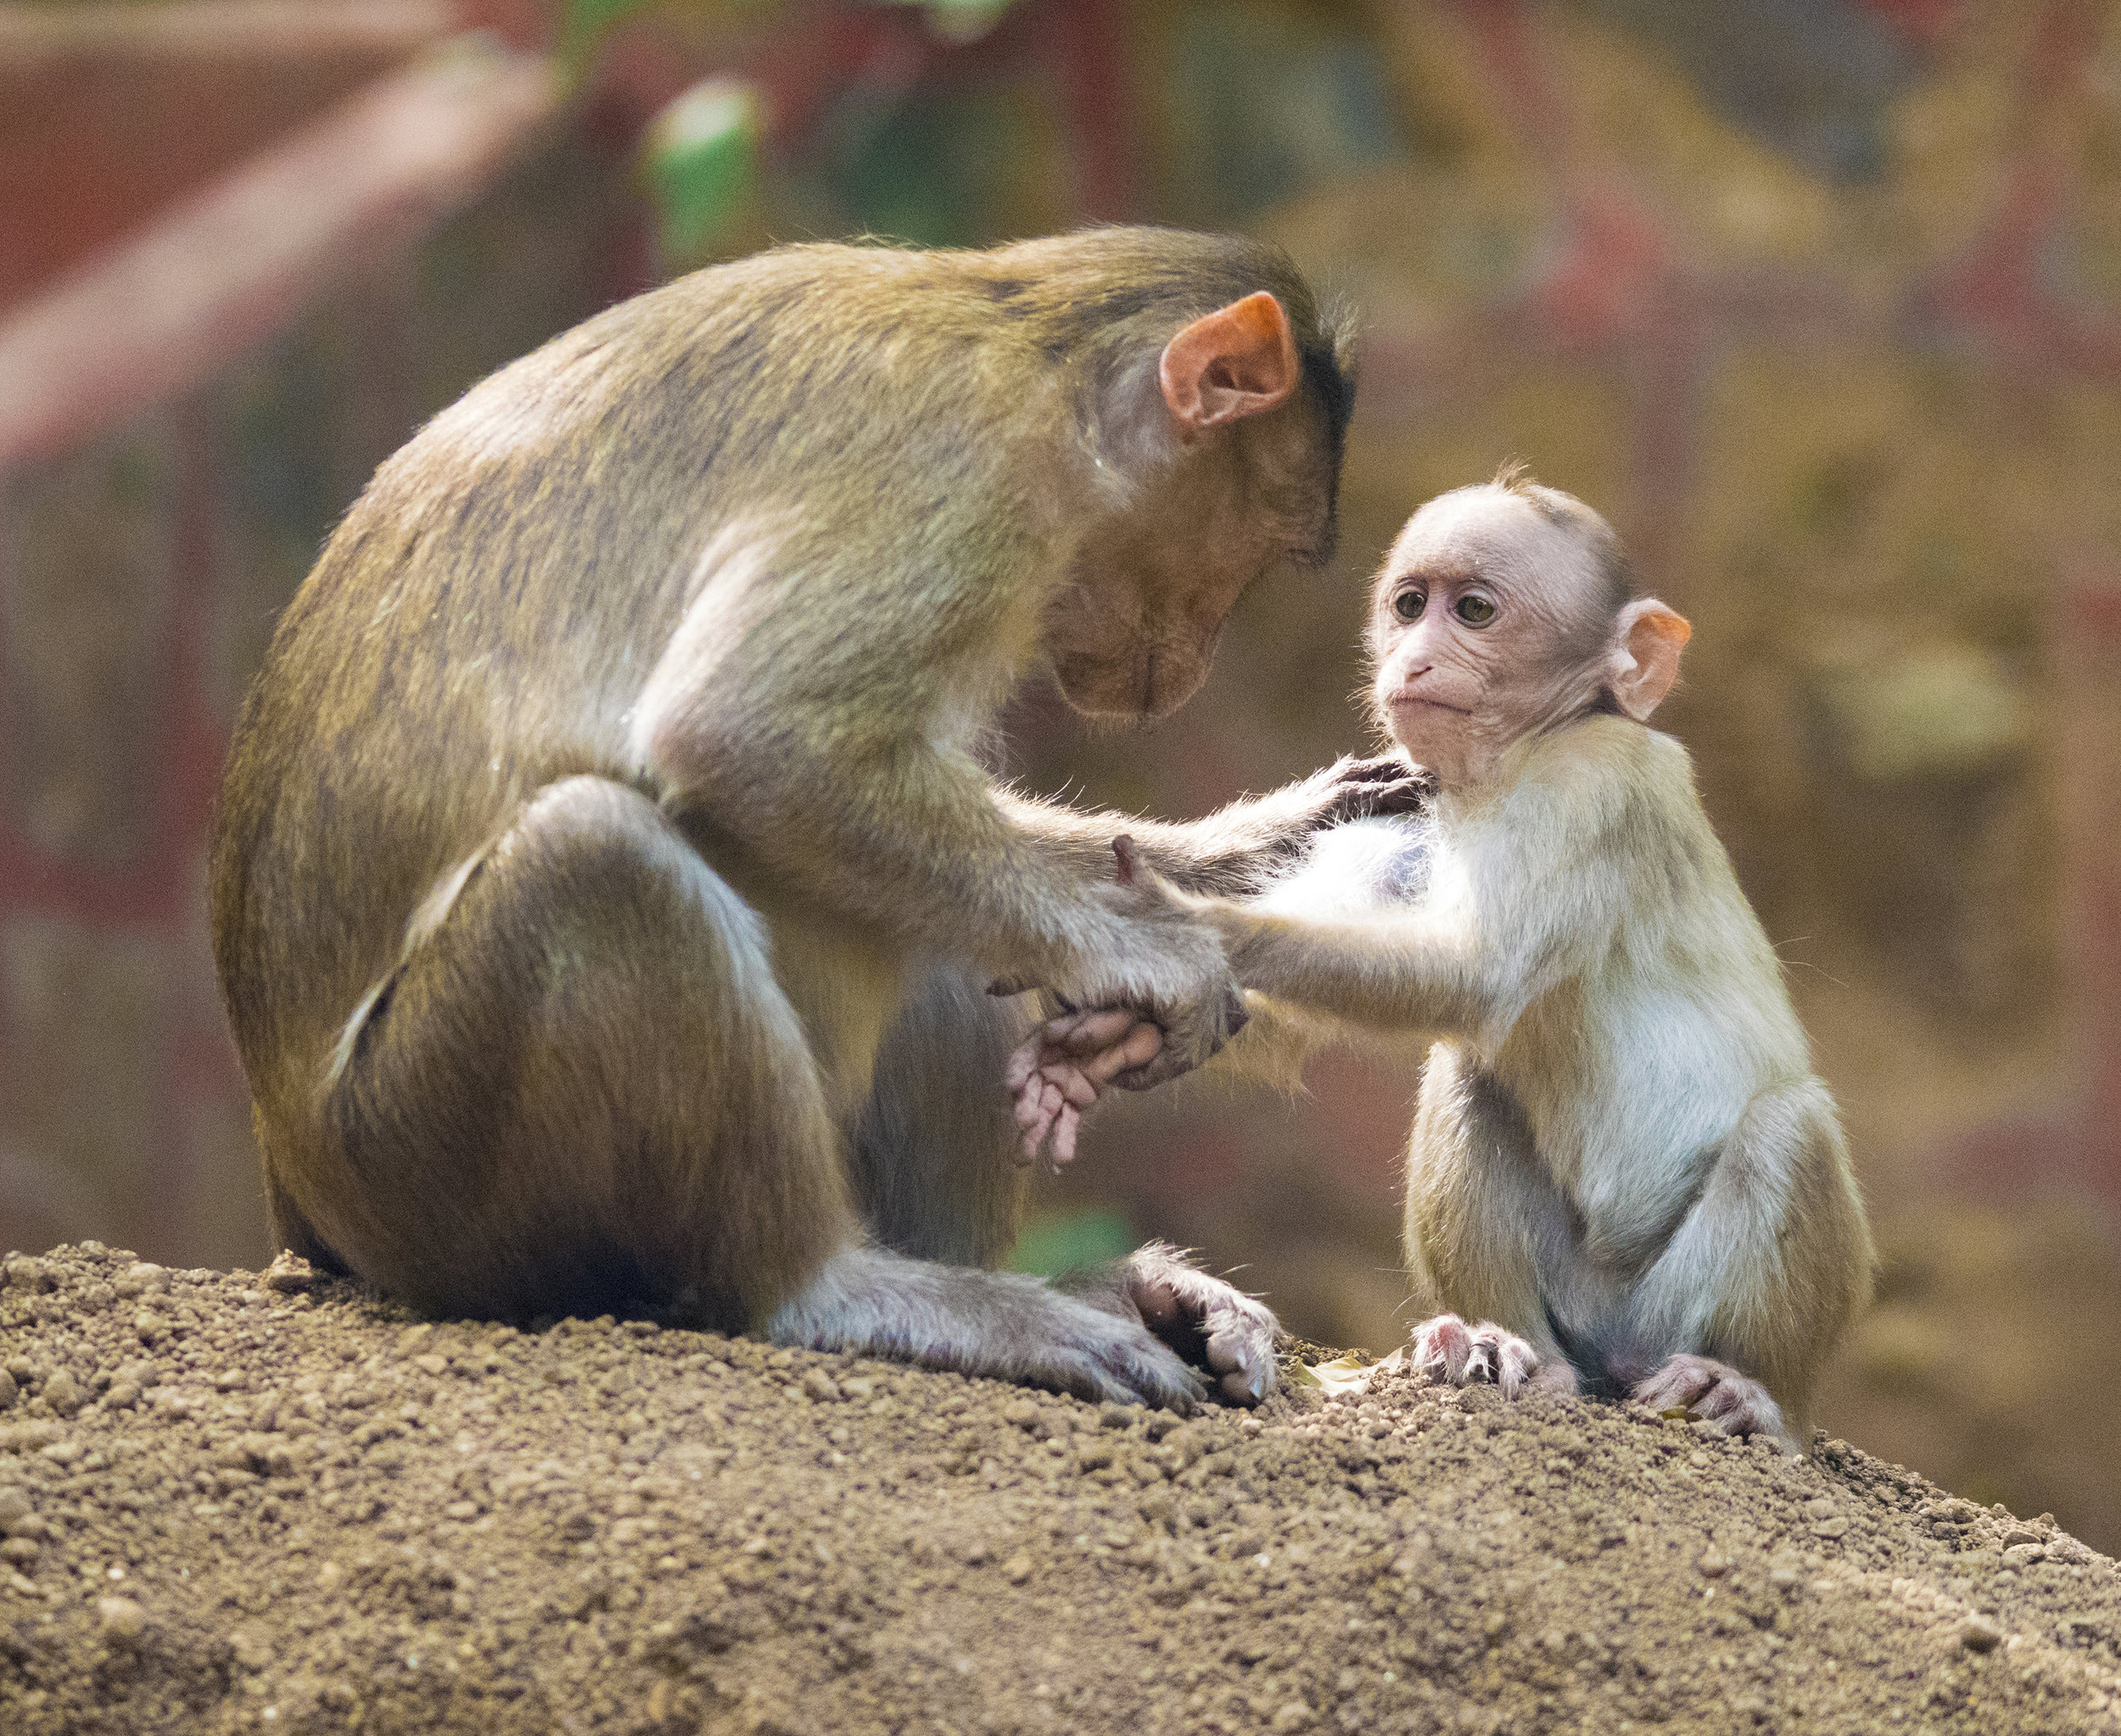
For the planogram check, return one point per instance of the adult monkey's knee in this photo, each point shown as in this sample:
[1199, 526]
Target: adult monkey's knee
[580, 1085]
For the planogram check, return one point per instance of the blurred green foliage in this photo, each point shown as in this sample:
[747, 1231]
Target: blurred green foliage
[1068, 1239]
[701, 158]
[909, 173]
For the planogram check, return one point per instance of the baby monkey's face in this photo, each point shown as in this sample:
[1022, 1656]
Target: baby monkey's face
[1488, 621]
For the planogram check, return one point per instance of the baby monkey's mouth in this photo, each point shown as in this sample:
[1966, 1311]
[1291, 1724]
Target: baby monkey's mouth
[1400, 699]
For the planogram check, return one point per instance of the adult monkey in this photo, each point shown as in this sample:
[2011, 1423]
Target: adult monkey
[606, 805]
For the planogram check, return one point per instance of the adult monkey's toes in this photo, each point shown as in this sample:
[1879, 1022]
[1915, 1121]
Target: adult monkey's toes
[1205, 1320]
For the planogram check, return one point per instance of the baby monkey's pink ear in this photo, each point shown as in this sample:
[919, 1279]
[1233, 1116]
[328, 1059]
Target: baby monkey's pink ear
[1647, 641]
[1233, 363]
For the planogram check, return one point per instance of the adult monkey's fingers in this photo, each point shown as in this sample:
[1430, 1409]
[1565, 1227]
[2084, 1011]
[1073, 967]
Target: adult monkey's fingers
[1065, 1128]
[1023, 1061]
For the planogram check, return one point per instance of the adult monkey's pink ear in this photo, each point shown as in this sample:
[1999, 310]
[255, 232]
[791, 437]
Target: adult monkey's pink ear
[1229, 364]
[1647, 641]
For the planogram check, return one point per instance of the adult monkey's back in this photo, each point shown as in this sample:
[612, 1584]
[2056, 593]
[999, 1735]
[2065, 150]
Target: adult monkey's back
[607, 800]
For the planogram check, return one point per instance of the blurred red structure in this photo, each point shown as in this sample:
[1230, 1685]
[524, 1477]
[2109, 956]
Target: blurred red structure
[195, 199]
[202, 203]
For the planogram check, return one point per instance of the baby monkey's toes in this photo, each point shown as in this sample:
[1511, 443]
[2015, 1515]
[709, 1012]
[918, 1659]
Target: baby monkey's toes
[1715, 1392]
[1448, 1349]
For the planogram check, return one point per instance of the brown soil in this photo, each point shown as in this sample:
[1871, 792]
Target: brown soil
[235, 1506]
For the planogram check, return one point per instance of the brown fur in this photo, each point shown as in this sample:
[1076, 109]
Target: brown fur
[607, 803]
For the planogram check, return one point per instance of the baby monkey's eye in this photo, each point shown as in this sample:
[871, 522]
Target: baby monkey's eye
[1409, 604]
[1475, 609]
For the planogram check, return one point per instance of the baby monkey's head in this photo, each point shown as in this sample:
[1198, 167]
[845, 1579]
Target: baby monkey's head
[1504, 609]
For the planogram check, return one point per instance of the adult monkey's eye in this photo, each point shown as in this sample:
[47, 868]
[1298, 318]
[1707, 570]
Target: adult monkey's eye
[1409, 604]
[1475, 609]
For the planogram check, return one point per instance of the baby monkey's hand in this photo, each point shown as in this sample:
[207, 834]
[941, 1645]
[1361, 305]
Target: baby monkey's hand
[1063, 1068]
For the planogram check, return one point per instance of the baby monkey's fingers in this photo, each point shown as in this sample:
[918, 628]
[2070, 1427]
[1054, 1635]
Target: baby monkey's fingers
[1053, 1086]
[1092, 1033]
[1161, 1065]
[1141, 1044]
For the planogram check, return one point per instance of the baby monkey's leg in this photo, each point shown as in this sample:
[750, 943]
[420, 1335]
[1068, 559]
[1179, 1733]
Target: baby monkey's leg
[1762, 1275]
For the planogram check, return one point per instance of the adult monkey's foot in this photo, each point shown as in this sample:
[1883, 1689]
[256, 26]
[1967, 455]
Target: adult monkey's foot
[1207, 1321]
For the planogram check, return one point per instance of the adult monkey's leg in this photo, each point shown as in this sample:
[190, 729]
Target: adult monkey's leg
[583, 1085]
[939, 1174]
[935, 1163]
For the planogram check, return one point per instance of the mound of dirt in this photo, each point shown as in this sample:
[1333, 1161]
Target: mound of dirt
[236, 1502]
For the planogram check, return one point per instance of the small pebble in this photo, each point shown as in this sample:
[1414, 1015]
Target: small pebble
[1978, 1633]
[288, 1274]
[119, 1620]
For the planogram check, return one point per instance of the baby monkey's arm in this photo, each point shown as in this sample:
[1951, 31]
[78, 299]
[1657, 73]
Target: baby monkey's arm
[1343, 970]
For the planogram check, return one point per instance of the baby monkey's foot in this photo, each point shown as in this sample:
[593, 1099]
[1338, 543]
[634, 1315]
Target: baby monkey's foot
[1715, 1392]
[1446, 1349]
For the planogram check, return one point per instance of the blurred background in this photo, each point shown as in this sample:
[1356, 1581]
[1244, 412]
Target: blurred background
[1819, 300]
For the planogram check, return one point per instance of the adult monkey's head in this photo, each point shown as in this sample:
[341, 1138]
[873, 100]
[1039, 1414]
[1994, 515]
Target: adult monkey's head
[1213, 397]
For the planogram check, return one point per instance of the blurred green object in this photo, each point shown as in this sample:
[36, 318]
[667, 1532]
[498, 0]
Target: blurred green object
[952, 168]
[961, 20]
[583, 24]
[1055, 1242]
[701, 156]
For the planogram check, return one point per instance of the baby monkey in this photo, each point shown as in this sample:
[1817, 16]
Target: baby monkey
[1622, 1167]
